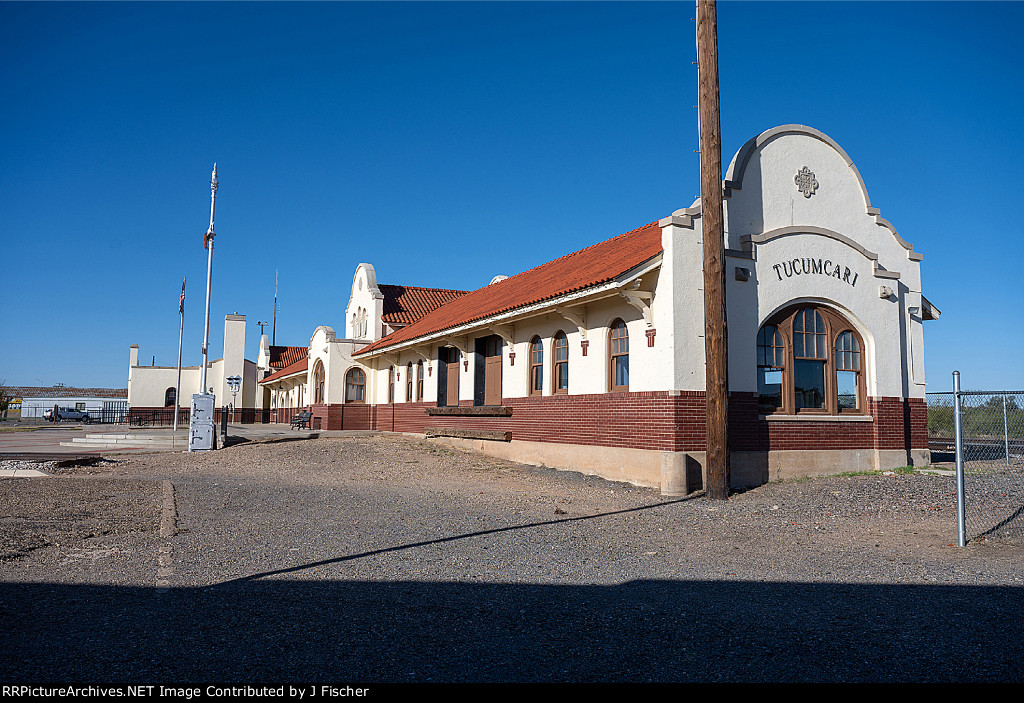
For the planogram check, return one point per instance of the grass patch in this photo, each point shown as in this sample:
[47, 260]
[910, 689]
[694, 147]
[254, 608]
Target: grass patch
[854, 474]
[899, 470]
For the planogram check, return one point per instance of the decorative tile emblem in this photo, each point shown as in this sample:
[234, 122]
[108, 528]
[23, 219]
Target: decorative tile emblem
[806, 182]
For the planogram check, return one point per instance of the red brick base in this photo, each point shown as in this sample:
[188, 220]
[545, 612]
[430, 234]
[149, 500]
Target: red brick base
[661, 421]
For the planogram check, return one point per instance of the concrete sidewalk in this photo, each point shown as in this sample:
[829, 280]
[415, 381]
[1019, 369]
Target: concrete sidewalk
[47, 442]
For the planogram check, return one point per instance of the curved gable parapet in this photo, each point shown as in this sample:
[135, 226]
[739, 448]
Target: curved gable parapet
[882, 222]
[734, 176]
[328, 334]
[370, 276]
[735, 173]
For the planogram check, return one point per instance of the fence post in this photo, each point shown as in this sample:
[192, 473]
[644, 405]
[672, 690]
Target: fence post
[958, 438]
[1006, 431]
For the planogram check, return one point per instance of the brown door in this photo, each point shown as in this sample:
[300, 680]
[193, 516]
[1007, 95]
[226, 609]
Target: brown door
[492, 372]
[452, 399]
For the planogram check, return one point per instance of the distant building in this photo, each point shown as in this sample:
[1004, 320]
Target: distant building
[33, 401]
[153, 387]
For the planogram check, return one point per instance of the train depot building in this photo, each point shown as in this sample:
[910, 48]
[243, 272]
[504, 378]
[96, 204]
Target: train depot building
[595, 361]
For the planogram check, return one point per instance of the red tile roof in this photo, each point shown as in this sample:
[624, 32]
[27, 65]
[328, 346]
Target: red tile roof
[404, 305]
[281, 357]
[299, 366]
[588, 267]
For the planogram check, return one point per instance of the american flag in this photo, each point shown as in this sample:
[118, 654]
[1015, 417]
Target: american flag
[181, 300]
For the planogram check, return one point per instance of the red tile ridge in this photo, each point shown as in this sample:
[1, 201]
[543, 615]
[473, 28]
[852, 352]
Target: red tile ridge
[300, 365]
[282, 356]
[578, 270]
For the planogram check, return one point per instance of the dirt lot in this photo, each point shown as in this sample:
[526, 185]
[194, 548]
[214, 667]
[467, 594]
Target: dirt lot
[390, 559]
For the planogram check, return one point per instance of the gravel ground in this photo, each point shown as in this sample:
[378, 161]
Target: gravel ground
[383, 558]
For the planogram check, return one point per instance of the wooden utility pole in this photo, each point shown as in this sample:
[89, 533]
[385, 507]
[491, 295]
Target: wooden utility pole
[715, 333]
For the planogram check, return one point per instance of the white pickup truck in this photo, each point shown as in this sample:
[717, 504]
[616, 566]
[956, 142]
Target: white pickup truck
[66, 414]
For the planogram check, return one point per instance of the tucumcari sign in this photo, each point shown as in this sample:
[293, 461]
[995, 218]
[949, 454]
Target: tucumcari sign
[819, 267]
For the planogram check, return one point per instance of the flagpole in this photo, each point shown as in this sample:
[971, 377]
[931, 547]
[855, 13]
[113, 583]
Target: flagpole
[181, 332]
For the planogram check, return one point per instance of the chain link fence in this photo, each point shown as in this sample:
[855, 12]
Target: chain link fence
[991, 453]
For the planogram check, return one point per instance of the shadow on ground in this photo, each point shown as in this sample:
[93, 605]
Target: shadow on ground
[290, 630]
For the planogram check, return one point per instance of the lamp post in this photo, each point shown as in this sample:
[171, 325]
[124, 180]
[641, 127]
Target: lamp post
[234, 383]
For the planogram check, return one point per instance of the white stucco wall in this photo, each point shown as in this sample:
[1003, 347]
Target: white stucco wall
[769, 215]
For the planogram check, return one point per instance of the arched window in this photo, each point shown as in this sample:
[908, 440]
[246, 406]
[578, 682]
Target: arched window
[318, 382]
[419, 381]
[619, 356]
[809, 361]
[355, 386]
[170, 395]
[408, 382]
[536, 366]
[561, 364]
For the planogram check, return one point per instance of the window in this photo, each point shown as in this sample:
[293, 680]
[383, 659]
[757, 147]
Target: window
[809, 362]
[408, 382]
[536, 366]
[619, 357]
[170, 395]
[419, 381]
[847, 371]
[561, 365]
[771, 362]
[391, 384]
[318, 382]
[810, 357]
[355, 385]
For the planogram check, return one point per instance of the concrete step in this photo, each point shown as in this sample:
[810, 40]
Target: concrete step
[103, 445]
[137, 435]
[129, 440]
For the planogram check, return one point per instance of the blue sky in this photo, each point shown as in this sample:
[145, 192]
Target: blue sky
[446, 143]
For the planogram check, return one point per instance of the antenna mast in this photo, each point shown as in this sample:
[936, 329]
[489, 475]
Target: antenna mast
[208, 244]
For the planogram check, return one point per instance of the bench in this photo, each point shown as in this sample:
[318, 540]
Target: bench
[301, 421]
